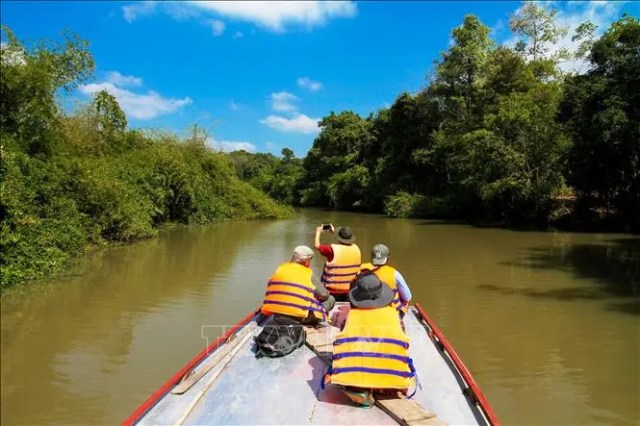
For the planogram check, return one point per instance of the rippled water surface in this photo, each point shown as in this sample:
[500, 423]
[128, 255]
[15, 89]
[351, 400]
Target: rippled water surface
[548, 323]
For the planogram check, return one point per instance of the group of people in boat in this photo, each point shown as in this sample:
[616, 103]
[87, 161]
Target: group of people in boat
[371, 353]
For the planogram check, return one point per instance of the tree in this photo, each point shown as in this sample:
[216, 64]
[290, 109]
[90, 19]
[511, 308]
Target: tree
[602, 113]
[112, 121]
[338, 147]
[585, 32]
[287, 155]
[460, 72]
[537, 26]
[29, 80]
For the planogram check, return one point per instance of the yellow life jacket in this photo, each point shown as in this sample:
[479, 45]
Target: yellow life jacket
[387, 275]
[338, 274]
[372, 351]
[291, 292]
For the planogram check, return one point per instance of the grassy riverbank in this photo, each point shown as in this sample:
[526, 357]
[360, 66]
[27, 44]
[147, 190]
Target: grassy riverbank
[75, 182]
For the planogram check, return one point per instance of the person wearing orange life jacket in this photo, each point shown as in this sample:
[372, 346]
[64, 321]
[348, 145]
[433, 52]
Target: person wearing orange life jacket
[292, 291]
[390, 276]
[342, 261]
[371, 353]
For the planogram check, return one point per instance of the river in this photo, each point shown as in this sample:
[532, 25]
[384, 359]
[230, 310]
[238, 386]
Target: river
[548, 323]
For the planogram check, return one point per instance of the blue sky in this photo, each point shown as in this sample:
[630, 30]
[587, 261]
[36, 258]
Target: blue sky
[258, 76]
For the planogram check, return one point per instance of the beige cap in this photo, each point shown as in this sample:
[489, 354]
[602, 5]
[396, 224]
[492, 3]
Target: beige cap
[302, 252]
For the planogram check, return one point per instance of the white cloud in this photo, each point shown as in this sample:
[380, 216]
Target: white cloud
[273, 148]
[307, 83]
[571, 14]
[217, 27]
[283, 101]
[601, 13]
[300, 123]
[134, 11]
[142, 106]
[238, 34]
[235, 106]
[229, 146]
[273, 15]
[123, 80]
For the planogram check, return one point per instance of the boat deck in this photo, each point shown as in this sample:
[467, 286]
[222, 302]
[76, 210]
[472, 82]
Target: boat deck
[243, 389]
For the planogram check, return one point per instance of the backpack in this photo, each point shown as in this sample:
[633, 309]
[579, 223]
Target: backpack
[280, 337]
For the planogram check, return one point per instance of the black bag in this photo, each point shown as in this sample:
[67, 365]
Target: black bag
[279, 338]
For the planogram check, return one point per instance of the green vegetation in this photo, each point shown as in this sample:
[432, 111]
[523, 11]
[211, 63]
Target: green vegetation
[70, 182]
[278, 177]
[499, 133]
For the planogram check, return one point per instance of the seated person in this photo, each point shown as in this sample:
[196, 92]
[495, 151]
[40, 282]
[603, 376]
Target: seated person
[390, 276]
[292, 290]
[371, 353]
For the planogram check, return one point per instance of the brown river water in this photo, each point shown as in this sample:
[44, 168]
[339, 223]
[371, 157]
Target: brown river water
[548, 323]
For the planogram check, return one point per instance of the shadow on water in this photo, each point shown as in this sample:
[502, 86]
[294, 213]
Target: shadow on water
[612, 266]
[481, 224]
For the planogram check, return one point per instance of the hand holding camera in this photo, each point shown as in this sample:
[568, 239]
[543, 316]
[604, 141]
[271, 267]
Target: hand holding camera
[328, 227]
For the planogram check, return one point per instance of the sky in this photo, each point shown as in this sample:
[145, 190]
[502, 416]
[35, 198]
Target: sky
[260, 75]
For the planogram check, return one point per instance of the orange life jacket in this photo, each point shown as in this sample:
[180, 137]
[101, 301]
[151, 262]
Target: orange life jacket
[387, 275]
[291, 292]
[372, 351]
[338, 274]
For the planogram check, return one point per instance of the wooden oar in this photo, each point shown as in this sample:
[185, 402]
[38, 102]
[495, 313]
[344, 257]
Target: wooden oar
[193, 376]
[406, 412]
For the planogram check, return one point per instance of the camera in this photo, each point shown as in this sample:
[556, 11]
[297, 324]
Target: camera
[327, 227]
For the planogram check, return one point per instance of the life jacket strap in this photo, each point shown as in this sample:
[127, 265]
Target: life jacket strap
[289, 284]
[330, 267]
[372, 371]
[404, 359]
[371, 340]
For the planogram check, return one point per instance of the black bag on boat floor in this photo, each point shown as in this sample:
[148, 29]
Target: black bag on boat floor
[280, 338]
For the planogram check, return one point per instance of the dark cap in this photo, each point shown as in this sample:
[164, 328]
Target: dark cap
[369, 292]
[345, 235]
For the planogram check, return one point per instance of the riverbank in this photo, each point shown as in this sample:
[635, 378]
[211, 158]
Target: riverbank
[74, 200]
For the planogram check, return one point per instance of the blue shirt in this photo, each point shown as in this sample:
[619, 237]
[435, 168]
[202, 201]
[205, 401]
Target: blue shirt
[403, 288]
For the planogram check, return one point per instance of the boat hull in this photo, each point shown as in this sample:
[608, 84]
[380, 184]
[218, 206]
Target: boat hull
[243, 389]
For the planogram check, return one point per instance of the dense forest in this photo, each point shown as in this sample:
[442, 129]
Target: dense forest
[73, 182]
[499, 133]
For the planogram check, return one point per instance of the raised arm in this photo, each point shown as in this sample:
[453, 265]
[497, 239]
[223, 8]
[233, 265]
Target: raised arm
[317, 240]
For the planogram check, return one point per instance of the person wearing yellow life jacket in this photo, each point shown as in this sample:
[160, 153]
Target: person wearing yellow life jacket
[371, 353]
[292, 290]
[390, 276]
[342, 261]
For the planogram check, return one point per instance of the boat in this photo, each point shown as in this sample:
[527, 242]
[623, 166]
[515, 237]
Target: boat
[227, 384]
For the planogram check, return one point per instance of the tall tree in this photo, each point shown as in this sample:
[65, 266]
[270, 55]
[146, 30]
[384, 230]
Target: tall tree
[337, 148]
[112, 121]
[602, 112]
[29, 80]
[537, 25]
[460, 72]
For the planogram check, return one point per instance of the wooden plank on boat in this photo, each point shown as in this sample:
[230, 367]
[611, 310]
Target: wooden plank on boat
[405, 412]
[193, 376]
[320, 341]
[408, 412]
[229, 354]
